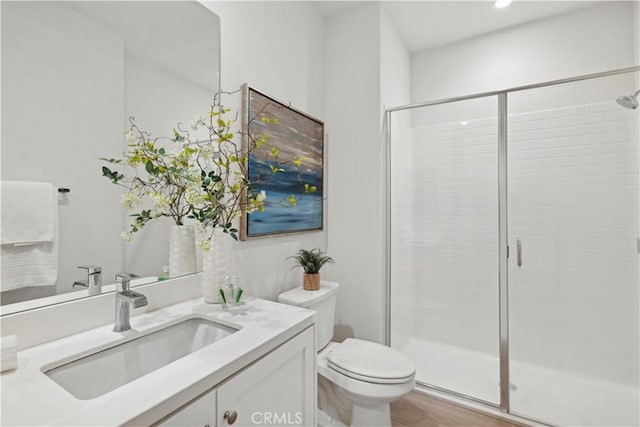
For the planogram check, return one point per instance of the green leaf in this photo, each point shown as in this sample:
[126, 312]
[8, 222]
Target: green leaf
[112, 175]
[177, 137]
[275, 169]
[261, 141]
[110, 160]
[149, 167]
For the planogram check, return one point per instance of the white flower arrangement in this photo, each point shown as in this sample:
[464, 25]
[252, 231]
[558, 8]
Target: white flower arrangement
[203, 180]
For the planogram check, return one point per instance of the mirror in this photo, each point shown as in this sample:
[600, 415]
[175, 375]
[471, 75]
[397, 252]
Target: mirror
[72, 74]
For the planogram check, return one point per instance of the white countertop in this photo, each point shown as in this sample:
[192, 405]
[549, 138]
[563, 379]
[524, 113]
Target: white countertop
[29, 397]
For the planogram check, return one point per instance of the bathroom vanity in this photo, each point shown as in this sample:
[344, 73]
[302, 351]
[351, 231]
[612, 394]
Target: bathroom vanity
[249, 364]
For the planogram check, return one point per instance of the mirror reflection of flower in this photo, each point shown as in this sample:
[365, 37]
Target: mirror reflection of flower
[206, 180]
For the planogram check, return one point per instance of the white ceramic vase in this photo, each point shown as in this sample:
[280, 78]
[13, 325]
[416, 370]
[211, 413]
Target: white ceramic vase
[182, 250]
[216, 266]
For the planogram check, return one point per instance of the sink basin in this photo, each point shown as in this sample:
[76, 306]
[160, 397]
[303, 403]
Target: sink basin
[105, 370]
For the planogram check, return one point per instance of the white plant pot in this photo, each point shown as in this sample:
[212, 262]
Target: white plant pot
[182, 250]
[216, 266]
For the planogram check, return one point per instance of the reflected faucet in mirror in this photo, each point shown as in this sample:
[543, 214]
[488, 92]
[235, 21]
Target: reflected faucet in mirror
[124, 300]
[93, 283]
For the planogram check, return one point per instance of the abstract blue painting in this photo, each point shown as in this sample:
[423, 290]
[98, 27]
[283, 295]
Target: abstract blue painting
[299, 143]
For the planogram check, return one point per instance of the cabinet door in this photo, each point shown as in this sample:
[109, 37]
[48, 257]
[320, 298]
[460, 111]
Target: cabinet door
[279, 389]
[200, 412]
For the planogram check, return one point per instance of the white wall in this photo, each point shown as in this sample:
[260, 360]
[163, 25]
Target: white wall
[395, 84]
[356, 206]
[395, 65]
[591, 40]
[278, 48]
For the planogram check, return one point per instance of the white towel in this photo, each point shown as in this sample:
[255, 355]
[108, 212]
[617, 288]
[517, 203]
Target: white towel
[27, 212]
[29, 262]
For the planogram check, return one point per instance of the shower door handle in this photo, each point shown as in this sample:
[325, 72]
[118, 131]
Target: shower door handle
[519, 252]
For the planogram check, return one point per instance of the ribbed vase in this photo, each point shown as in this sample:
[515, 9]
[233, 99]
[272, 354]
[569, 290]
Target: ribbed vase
[182, 250]
[216, 266]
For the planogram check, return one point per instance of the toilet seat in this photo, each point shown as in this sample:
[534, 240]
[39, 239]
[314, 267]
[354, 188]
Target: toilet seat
[370, 390]
[382, 364]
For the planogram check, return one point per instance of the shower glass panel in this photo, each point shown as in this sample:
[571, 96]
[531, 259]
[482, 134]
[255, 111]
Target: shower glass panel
[444, 244]
[573, 270]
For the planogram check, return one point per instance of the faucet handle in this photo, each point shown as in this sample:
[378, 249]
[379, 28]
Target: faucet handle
[91, 269]
[94, 279]
[125, 279]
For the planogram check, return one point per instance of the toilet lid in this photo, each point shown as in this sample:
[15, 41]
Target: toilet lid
[371, 362]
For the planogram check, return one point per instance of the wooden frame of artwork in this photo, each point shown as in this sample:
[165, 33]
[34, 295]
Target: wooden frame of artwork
[298, 141]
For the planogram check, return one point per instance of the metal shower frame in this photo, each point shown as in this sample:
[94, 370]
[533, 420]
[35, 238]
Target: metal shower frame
[503, 307]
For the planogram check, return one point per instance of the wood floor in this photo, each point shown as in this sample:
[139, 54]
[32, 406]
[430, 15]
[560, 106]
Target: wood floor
[418, 410]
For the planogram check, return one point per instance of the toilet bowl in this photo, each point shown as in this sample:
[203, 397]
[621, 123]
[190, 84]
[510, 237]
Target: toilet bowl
[369, 375]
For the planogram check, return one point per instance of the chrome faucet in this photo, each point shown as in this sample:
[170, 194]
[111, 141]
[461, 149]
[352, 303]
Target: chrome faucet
[94, 279]
[124, 300]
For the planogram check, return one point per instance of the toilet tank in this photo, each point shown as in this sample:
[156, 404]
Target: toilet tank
[323, 301]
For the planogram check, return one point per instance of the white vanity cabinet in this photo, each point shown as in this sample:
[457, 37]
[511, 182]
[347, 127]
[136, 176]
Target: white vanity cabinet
[277, 389]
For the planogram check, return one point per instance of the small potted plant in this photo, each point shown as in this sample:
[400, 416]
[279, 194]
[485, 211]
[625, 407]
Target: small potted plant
[311, 262]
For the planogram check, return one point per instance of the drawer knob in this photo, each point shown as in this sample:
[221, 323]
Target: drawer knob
[230, 416]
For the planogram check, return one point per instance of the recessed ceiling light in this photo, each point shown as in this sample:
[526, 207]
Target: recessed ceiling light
[502, 3]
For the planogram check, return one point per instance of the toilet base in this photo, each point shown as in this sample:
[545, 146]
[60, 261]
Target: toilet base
[337, 408]
[325, 420]
[369, 416]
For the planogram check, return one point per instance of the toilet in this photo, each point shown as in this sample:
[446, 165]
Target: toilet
[368, 374]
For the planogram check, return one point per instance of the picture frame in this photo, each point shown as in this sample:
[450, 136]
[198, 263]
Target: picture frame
[298, 139]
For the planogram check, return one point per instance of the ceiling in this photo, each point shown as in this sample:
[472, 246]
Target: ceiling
[428, 24]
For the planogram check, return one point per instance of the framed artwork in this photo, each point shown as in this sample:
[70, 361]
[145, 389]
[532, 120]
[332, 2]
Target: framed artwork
[294, 145]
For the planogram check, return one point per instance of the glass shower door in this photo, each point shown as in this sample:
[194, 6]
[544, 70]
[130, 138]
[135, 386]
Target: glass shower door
[573, 265]
[444, 244]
